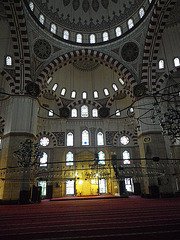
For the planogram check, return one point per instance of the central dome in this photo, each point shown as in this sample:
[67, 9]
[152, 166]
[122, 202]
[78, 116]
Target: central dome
[89, 15]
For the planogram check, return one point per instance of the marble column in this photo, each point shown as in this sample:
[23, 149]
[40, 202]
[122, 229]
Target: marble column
[20, 124]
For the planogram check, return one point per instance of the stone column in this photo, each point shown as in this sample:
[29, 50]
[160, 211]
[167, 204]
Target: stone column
[20, 124]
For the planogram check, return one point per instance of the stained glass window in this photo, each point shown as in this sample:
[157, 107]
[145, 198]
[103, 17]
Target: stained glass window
[79, 38]
[95, 94]
[70, 139]
[141, 12]
[31, 5]
[41, 19]
[106, 92]
[8, 61]
[43, 160]
[130, 23]
[105, 36]
[84, 95]
[126, 157]
[51, 113]
[49, 80]
[63, 91]
[124, 140]
[54, 87]
[66, 35]
[115, 87]
[69, 159]
[73, 94]
[92, 38]
[53, 28]
[74, 112]
[118, 31]
[95, 112]
[161, 64]
[176, 62]
[84, 111]
[100, 139]
[85, 137]
[101, 158]
[44, 141]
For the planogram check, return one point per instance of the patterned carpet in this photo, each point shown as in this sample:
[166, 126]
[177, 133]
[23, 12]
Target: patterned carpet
[101, 218]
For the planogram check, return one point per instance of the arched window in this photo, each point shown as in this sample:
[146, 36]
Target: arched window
[85, 137]
[84, 95]
[150, 1]
[49, 80]
[118, 113]
[51, 113]
[54, 87]
[41, 19]
[63, 91]
[69, 159]
[115, 87]
[100, 139]
[130, 23]
[101, 158]
[66, 34]
[161, 64]
[43, 160]
[31, 5]
[70, 139]
[53, 28]
[95, 112]
[73, 94]
[8, 61]
[105, 36]
[95, 94]
[92, 38]
[176, 62]
[79, 38]
[126, 157]
[121, 81]
[84, 111]
[118, 31]
[106, 92]
[74, 112]
[141, 12]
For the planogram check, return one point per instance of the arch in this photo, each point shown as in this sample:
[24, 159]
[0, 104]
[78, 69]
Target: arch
[10, 80]
[152, 41]
[57, 99]
[50, 135]
[133, 136]
[111, 100]
[88, 102]
[81, 55]
[18, 29]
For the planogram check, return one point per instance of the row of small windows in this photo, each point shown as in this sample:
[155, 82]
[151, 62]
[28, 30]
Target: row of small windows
[176, 62]
[84, 94]
[85, 112]
[124, 140]
[92, 37]
[70, 158]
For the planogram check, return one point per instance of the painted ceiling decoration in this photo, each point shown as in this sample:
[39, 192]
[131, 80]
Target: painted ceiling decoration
[89, 15]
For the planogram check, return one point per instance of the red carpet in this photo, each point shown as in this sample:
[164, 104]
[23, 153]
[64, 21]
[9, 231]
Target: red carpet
[113, 218]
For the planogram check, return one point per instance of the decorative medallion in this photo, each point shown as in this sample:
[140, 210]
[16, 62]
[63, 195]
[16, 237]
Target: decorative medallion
[42, 49]
[86, 65]
[33, 89]
[130, 52]
[64, 112]
[103, 112]
[139, 90]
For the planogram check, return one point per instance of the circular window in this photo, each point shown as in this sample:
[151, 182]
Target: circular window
[124, 140]
[44, 141]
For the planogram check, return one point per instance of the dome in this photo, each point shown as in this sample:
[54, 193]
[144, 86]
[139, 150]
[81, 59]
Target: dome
[90, 17]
